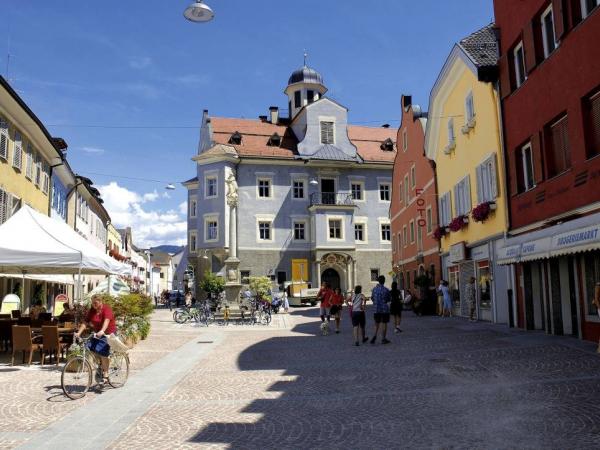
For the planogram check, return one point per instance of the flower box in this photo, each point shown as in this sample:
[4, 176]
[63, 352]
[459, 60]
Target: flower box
[458, 223]
[440, 232]
[482, 211]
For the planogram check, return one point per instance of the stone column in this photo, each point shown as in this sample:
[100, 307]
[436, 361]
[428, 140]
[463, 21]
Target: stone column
[318, 274]
[233, 285]
[350, 269]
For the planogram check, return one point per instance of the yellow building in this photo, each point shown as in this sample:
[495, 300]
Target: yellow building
[464, 139]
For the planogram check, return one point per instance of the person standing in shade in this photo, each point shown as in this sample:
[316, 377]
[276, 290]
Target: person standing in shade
[381, 299]
[396, 307]
[470, 298]
[337, 300]
[357, 304]
[324, 296]
[445, 290]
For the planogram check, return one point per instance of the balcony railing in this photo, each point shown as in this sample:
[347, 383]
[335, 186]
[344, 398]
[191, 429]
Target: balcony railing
[331, 198]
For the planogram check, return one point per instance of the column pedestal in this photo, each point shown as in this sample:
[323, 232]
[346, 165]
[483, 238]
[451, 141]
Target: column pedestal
[233, 285]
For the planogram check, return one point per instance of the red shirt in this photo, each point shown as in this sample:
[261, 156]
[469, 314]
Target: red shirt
[325, 295]
[97, 319]
[336, 299]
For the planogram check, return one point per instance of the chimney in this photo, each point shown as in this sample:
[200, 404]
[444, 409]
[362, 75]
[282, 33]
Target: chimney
[262, 118]
[274, 114]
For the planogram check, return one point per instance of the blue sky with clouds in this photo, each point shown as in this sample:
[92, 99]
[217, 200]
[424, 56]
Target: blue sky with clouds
[125, 82]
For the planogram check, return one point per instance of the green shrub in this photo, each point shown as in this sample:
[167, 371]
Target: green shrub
[211, 283]
[260, 286]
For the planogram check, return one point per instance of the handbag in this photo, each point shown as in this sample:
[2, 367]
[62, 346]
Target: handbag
[99, 346]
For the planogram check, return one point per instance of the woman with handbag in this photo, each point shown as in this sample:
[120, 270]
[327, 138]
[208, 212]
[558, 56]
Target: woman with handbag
[337, 299]
[102, 320]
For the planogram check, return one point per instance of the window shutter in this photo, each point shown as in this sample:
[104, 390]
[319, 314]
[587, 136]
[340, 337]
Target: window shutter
[18, 152]
[494, 177]
[441, 211]
[513, 172]
[479, 184]
[3, 205]
[538, 162]
[3, 139]
[467, 195]
[448, 208]
[560, 145]
[558, 13]
[504, 76]
[529, 46]
[594, 125]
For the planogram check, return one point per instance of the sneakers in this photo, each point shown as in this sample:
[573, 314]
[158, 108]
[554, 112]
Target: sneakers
[397, 330]
[365, 339]
[374, 339]
[385, 341]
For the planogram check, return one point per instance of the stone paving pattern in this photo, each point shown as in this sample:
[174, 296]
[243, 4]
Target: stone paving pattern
[443, 383]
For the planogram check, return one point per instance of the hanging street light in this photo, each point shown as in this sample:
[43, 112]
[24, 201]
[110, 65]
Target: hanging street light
[170, 187]
[198, 12]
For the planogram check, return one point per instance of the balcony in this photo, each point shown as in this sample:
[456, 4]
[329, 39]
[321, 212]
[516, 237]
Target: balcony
[331, 199]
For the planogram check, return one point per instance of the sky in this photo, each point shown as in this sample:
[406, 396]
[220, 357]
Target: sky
[125, 82]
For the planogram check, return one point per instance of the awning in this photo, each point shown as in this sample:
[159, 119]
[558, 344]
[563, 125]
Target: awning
[58, 279]
[581, 240]
[537, 249]
[509, 254]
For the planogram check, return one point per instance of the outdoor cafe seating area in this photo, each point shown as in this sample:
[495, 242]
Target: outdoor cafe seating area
[46, 338]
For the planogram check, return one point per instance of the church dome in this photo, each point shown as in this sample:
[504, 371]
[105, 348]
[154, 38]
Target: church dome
[305, 75]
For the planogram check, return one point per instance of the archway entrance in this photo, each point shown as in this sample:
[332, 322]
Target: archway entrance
[332, 277]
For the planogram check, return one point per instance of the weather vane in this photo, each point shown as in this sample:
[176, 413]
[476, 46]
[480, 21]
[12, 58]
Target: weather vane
[305, 56]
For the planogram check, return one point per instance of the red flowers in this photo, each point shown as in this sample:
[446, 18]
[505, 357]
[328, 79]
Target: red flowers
[458, 223]
[481, 212]
[439, 233]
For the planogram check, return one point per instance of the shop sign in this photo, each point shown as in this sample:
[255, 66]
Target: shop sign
[576, 238]
[457, 252]
[510, 252]
[535, 249]
[481, 252]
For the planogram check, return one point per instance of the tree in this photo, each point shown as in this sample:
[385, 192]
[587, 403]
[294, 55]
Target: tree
[260, 286]
[212, 284]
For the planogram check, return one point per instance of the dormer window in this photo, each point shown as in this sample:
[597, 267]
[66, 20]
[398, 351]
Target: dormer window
[387, 145]
[297, 99]
[236, 138]
[310, 96]
[327, 135]
[274, 140]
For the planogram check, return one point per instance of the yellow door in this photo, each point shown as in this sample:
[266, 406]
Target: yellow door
[300, 270]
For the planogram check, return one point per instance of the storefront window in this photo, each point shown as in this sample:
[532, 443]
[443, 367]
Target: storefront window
[592, 276]
[454, 285]
[484, 286]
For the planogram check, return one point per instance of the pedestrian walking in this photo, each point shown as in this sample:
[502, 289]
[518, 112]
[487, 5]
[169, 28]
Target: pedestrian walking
[396, 307]
[286, 302]
[440, 300]
[447, 302]
[357, 304]
[596, 303]
[337, 301]
[470, 298]
[188, 299]
[381, 299]
[324, 296]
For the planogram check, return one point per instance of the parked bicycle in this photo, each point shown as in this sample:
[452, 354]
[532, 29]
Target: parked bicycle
[82, 371]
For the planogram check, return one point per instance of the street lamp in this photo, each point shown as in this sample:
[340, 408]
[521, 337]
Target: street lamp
[198, 12]
[170, 187]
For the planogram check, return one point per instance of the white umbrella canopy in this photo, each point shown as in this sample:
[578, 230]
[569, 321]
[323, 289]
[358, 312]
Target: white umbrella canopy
[33, 243]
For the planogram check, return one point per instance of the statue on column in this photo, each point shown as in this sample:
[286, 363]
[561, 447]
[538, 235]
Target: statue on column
[232, 191]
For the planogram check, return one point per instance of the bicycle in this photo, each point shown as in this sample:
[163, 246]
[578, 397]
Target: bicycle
[78, 372]
[183, 315]
[261, 311]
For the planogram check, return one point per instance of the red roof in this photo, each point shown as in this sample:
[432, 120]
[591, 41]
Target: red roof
[256, 133]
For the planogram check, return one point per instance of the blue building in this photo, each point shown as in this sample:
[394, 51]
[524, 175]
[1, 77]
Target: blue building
[313, 192]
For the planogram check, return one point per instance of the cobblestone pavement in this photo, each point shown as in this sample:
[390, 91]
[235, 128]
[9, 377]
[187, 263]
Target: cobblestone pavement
[31, 397]
[442, 383]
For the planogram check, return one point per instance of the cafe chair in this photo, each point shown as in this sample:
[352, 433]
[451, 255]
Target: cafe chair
[22, 342]
[51, 344]
[24, 321]
[16, 313]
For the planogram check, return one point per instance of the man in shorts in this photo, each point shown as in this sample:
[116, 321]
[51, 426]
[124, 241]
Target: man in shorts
[381, 298]
[324, 296]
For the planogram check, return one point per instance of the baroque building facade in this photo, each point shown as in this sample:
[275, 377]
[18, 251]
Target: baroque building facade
[312, 193]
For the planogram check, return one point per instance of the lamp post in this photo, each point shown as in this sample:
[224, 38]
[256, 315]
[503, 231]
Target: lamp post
[198, 12]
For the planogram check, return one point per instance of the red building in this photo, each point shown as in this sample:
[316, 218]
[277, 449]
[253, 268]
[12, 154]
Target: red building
[550, 87]
[413, 208]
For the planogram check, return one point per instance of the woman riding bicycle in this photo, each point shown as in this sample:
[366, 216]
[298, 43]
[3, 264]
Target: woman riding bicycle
[102, 320]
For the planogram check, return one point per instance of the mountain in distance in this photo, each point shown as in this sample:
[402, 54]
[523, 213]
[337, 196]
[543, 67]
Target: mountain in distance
[172, 249]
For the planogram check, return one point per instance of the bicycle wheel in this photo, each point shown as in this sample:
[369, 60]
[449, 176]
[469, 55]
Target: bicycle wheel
[118, 369]
[76, 377]
[181, 317]
[265, 318]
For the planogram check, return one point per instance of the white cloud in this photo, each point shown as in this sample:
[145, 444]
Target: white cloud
[183, 208]
[140, 62]
[93, 150]
[150, 227]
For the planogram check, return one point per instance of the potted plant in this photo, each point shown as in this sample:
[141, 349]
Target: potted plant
[482, 211]
[439, 233]
[458, 223]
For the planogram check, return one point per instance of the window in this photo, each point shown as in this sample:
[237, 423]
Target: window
[299, 231]
[264, 230]
[399, 238]
[264, 188]
[162, 274]
[327, 136]
[487, 186]
[384, 192]
[406, 190]
[407, 280]
[17, 161]
[405, 235]
[374, 274]
[451, 138]
[193, 242]
[38, 169]
[592, 124]
[413, 177]
[429, 219]
[404, 140]
[29, 162]
[401, 190]
[211, 229]
[386, 232]
[548, 38]
[310, 96]
[445, 209]
[591, 276]
[412, 231]
[359, 232]
[335, 229]
[45, 177]
[357, 191]
[519, 64]
[587, 6]
[556, 147]
[469, 108]
[297, 99]
[3, 139]
[193, 208]
[462, 197]
[528, 180]
[419, 238]
[298, 189]
[211, 187]
[245, 274]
